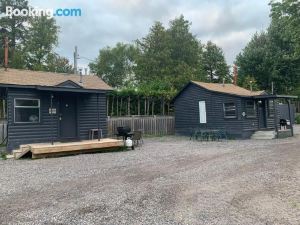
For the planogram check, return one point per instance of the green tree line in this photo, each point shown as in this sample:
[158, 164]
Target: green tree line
[147, 73]
[273, 55]
[31, 40]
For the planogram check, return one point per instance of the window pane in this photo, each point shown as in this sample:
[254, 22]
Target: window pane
[27, 102]
[28, 115]
[229, 109]
[271, 109]
[250, 108]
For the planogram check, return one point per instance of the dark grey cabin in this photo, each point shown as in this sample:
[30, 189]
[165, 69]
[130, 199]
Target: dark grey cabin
[44, 107]
[238, 111]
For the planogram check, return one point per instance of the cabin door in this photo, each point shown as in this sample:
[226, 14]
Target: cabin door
[262, 114]
[67, 117]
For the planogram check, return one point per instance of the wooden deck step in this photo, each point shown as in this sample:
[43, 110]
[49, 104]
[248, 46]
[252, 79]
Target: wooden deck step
[19, 153]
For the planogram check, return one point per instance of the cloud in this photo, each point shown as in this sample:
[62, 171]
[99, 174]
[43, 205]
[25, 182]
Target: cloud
[228, 23]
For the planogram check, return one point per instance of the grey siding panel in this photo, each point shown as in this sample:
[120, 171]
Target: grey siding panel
[30, 133]
[283, 112]
[48, 128]
[187, 111]
[87, 114]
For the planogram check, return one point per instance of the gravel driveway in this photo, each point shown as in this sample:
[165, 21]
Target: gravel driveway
[167, 181]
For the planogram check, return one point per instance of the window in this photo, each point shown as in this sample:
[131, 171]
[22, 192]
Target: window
[202, 111]
[271, 108]
[250, 108]
[27, 110]
[229, 110]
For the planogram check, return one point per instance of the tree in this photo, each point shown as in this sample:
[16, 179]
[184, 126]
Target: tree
[15, 26]
[171, 55]
[185, 52]
[214, 63]
[41, 39]
[256, 59]
[154, 55]
[274, 55]
[116, 65]
[58, 64]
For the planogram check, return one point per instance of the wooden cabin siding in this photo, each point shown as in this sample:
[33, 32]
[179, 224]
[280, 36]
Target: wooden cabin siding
[49, 129]
[87, 114]
[250, 124]
[187, 111]
[30, 133]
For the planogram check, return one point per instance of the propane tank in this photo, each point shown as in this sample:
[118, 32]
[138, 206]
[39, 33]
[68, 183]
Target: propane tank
[129, 143]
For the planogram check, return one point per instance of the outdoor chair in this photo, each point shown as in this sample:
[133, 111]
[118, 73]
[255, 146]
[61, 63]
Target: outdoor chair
[137, 137]
[221, 134]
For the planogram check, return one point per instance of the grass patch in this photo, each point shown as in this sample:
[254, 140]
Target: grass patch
[3, 155]
[297, 118]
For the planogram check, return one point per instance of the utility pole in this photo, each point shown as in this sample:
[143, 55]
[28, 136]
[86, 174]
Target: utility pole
[76, 56]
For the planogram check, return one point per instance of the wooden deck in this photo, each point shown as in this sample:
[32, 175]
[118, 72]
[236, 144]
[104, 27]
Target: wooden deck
[43, 150]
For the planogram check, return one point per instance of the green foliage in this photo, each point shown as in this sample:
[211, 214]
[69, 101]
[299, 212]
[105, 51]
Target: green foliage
[15, 26]
[58, 64]
[31, 40]
[115, 65]
[214, 63]
[171, 56]
[3, 155]
[274, 55]
[41, 39]
[249, 83]
[297, 119]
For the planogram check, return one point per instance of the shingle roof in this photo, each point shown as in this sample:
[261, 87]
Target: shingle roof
[49, 79]
[228, 89]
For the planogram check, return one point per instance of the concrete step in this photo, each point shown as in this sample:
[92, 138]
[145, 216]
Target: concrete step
[264, 135]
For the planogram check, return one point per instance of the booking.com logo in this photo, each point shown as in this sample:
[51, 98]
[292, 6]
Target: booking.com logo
[35, 12]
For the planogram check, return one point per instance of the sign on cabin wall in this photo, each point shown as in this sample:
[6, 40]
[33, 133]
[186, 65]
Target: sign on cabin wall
[53, 111]
[202, 111]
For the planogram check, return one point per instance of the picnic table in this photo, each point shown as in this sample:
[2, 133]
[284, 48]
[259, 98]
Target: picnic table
[208, 134]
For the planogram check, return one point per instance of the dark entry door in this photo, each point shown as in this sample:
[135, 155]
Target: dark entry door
[262, 114]
[67, 117]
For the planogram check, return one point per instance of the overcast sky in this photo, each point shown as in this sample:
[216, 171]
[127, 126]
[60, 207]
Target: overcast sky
[228, 23]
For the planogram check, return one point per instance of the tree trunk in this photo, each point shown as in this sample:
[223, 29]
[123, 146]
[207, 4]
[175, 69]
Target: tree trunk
[112, 106]
[163, 106]
[117, 106]
[168, 108]
[148, 106]
[139, 106]
[128, 109]
[153, 102]
[121, 106]
[145, 106]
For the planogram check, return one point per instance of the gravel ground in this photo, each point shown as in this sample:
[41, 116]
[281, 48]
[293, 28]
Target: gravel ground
[168, 180]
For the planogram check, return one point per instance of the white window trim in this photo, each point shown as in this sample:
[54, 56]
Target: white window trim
[202, 118]
[28, 107]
